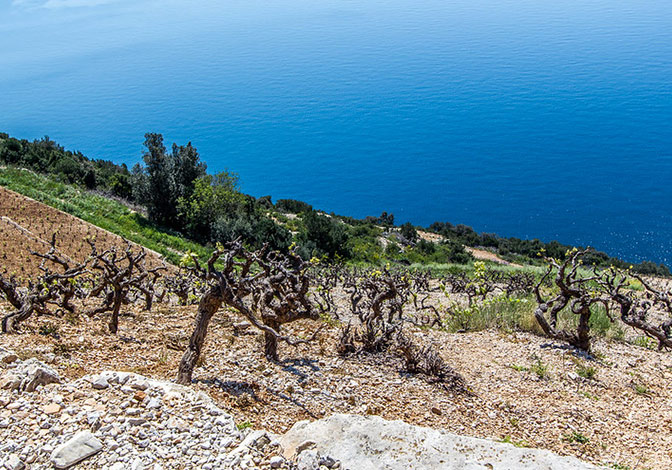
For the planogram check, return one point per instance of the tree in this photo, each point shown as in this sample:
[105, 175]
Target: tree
[187, 167]
[635, 311]
[575, 292]
[268, 288]
[120, 273]
[254, 229]
[56, 286]
[409, 233]
[292, 206]
[213, 198]
[160, 196]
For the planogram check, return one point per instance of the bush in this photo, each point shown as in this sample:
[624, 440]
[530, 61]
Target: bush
[254, 231]
[293, 206]
[323, 236]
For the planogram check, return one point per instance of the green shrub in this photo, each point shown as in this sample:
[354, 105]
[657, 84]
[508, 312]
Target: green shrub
[292, 206]
[540, 369]
[587, 372]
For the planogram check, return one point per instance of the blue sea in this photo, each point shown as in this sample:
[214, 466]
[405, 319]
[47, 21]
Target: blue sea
[530, 118]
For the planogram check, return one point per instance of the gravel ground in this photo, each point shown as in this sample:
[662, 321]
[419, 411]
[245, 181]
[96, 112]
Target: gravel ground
[616, 409]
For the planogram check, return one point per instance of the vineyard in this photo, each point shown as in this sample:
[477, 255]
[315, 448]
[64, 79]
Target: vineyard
[28, 226]
[568, 358]
[99, 211]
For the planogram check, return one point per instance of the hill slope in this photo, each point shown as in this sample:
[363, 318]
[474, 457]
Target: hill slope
[111, 216]
[27, 225]
[526, 389]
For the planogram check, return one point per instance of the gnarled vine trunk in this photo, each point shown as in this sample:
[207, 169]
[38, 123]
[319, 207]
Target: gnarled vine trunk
[207, 307]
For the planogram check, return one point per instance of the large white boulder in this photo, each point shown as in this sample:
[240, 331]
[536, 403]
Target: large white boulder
[372, 443]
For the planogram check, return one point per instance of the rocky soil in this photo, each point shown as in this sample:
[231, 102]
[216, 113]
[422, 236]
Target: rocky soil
[27, 225]
[122, 420]
[615, 409]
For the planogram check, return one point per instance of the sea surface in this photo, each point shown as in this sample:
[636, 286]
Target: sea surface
[528, 118]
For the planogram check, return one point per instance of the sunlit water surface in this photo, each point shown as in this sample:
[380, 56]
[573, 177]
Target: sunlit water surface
[528, 118]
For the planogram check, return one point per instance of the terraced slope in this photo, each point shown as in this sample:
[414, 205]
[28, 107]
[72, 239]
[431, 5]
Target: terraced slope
[103, 212]
[27, 225]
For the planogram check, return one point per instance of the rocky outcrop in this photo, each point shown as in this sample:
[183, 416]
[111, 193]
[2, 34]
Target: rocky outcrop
[25, 376]
[372, 443]
[122, 420]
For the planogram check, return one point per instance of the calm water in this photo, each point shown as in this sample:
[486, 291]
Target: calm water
[529, 118]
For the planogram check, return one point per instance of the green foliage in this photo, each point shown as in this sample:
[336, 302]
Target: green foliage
[587, 372]
[619, 466]
[641, 389]
[455, 253]
[530, 251]
[577, 437]
[292, 206]
[590, 396]
[508, 440]
[365, 250]
[392, 250]
[323, 236]
[48, 329]
[599, 322]
[45, 156]
[385, 219]
[409, 232]
[166, 180]
[644, 342]
[425, 252]
[213, 197]
[254, 229]
[540, 368]
[179, 195]
[499, 312]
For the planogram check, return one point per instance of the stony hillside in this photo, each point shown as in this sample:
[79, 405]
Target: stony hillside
[527, 390]
[521, 389]
[121, 420]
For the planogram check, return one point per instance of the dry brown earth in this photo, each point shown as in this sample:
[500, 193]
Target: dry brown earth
[27, 225]
[625, 413]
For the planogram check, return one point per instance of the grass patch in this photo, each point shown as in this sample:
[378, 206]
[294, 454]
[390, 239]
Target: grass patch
[501, 312]
[599, 322]
[587, 372]
[590, 396]
[541, 369]
[619, 466]
[577, 437]
[508, 440]
[641, 389]
[645, 342]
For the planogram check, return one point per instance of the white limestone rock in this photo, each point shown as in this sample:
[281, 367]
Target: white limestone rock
[28, 375]
[81, 446]
[372, 443]
[100, 383]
